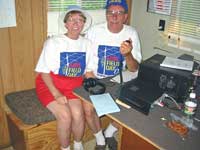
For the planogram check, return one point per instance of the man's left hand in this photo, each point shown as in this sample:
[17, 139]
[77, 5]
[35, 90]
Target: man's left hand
[126, 47]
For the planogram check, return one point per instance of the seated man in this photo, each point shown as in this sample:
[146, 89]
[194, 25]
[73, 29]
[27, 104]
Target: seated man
[114, 42]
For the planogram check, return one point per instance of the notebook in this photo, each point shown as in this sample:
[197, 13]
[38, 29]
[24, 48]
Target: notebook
[104, 104]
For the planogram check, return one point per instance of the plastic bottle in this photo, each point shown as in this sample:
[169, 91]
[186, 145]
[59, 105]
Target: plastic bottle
[190, 106]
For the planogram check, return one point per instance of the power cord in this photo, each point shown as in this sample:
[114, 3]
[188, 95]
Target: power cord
[171, 98]
[165, 96]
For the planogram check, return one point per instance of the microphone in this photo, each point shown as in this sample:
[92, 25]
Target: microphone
[118, 92]
[120, 71]
[121, 66]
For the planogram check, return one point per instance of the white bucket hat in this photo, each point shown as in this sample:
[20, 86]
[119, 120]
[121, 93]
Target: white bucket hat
[70, 8]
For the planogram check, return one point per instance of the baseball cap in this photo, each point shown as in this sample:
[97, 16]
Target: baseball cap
[117, 2]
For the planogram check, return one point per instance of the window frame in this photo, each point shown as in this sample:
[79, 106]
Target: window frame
[129, 3]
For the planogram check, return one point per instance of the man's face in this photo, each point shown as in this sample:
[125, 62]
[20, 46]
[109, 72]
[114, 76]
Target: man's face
[116, 17]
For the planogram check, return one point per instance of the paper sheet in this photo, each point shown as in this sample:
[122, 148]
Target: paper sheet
[104, 104]
[7, 13]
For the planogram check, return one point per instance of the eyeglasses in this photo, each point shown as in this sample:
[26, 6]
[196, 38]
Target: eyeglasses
[114, 12]
[73, 20]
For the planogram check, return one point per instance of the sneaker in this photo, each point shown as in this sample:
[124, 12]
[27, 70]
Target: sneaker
[112, 143]
[100, 147]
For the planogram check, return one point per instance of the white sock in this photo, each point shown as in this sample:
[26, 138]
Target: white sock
[100, 138]
[109, 132]
[67, 148]
[78, 145]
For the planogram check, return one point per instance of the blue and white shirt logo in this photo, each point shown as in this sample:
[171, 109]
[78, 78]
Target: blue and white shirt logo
[72, 64]
[109, 60]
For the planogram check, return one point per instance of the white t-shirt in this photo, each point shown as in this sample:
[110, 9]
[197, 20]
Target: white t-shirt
[64, 56]
[106, 51]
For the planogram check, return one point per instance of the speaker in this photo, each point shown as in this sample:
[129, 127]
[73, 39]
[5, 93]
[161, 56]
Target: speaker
[93, 86]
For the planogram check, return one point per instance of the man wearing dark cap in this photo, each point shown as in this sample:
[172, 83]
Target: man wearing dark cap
[114, 42]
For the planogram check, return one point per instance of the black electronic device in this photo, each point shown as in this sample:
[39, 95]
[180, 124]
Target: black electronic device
[140, 95]
[174, 82]
[94, 86]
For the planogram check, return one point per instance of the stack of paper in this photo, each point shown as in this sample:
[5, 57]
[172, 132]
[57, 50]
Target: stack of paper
[177, 63]
[104, 104]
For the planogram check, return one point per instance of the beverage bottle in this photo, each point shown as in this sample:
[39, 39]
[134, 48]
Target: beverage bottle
[190, 106]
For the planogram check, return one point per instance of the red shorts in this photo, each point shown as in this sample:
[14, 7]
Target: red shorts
[65, 85]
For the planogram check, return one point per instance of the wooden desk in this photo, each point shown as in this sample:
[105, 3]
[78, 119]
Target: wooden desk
[151, 129]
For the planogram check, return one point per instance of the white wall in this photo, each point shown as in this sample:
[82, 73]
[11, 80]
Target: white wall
[153, 40]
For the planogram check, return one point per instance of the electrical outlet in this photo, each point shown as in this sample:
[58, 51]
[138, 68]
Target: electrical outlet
[161, 26]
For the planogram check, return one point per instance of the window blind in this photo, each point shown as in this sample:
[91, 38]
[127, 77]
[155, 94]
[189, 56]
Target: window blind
[61, 5]
[185, 19]
[57, 9]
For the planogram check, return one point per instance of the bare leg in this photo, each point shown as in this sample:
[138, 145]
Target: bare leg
[78, 120]
[63, 117]
[93, 122]
[91, 117]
